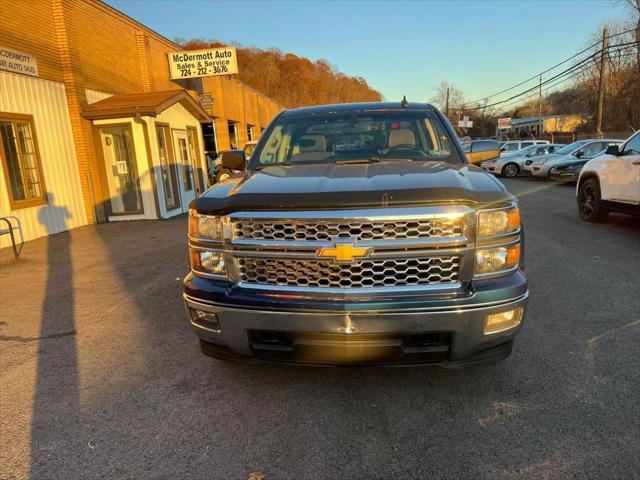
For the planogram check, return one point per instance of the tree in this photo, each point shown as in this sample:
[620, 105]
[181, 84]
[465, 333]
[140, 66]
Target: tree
[292, 80]
[456, 96]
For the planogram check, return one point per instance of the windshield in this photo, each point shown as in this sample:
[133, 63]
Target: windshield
[567, 149]
[356, 136]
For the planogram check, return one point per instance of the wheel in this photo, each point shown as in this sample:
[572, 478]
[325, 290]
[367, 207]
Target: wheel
[590, 205]
[223, 174]
[510, 170]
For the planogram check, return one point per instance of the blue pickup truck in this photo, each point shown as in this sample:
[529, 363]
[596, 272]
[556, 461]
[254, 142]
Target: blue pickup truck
[356, 234]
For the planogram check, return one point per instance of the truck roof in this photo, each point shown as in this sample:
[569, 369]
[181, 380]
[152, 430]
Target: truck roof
[357, 107]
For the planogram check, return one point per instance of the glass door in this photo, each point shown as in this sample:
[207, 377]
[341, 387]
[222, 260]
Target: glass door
[121, 170]
[183, 160]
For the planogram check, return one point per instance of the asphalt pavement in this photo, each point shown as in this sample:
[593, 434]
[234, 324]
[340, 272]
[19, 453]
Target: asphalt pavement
[101, 376]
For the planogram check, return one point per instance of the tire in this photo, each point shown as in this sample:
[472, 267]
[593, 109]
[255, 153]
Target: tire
[223, 174]
[590, 207]
[510, 170]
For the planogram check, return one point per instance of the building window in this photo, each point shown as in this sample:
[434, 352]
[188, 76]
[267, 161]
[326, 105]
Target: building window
[233, 135]
[21, 162]
[168, 168]
[250, 133]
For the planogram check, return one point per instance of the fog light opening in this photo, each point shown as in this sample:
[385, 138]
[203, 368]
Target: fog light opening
[205, 320]
[499, 322]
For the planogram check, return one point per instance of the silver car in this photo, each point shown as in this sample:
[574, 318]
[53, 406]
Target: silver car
[582, 149]
[512, 165]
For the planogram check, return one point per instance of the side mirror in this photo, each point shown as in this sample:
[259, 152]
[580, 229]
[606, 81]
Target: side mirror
[234, 160]
[579, 154]
[613, 150]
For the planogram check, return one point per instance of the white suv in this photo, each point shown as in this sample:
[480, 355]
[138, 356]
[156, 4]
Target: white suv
[611, 182]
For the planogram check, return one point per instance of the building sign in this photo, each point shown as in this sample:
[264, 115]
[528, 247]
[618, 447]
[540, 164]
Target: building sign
[504, 123]
[203, 63]
[206, 101]
[18, 62]
[465, 122]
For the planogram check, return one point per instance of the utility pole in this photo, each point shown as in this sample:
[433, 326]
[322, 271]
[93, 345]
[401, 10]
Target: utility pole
[603, 64]
[446, 108]
[540, 108]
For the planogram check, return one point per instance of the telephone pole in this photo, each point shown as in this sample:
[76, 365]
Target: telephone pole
[540, 108]
[446, 108]
[603, 64]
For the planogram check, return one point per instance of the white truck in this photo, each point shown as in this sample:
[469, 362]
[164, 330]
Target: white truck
[611, 182]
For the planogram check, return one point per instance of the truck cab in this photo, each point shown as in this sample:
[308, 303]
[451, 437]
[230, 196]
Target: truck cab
[357, 234]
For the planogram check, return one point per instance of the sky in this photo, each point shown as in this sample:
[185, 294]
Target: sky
[400, 48]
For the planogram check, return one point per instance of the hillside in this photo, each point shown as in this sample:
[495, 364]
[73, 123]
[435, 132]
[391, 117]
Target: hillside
[293, 81]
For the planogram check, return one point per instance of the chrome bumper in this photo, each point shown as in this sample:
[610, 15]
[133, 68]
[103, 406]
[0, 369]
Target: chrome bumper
[465, 324]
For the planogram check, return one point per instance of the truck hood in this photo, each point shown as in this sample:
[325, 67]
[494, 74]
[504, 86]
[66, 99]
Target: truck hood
[331, 186]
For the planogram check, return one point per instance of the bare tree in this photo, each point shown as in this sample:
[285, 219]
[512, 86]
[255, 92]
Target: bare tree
[456, 96]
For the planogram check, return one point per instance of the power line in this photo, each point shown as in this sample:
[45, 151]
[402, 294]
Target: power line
[572, 68]
[575, 67]
[547, 70]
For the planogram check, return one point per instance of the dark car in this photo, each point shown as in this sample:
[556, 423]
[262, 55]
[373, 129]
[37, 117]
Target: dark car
[356, 234]
[567, 172]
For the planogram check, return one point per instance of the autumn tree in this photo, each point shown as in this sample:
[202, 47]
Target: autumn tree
[292, 80]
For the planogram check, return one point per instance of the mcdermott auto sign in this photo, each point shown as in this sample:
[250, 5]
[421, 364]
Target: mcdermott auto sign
[18, 62]
[203, 63]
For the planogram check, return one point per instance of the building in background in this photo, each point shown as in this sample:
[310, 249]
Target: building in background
[528, 126]
[93, 129]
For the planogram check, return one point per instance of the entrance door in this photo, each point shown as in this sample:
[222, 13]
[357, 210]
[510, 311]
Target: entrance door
[185, 169]
[121, 170]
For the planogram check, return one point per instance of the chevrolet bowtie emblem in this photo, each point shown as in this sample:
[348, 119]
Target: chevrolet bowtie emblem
[343, 252]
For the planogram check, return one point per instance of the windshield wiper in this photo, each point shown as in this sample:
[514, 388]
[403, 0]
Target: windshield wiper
[372, 160]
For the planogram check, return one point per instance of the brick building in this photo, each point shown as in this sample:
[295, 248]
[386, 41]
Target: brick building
[92, 129]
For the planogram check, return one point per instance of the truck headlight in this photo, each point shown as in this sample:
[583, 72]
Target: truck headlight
[205, 226]
[497, 222]
[207, 262]
[497, 259]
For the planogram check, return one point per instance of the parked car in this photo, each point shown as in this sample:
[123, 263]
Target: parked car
[480, 150]
[582, 149]
[512, 165]
[512, 146]
[304, 256]
[569, 171]
[611, 182]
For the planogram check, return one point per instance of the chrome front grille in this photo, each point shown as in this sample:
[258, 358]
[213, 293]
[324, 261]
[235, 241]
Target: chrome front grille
[370, 273]
[357, 230]
[380, 248]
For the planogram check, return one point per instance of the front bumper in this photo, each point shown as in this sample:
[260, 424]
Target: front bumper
[540, 170]
[562, 176]
[489, 167]
[341, 334]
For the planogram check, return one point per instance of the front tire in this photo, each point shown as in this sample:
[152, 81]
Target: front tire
[590, 205]
[510, 170]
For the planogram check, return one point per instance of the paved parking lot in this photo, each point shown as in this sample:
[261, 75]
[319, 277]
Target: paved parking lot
[102, 377]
